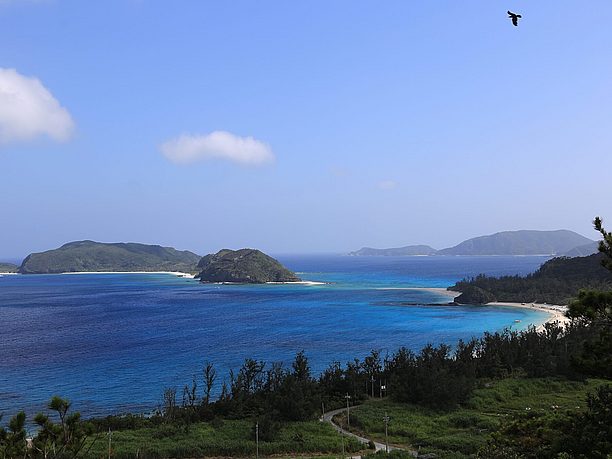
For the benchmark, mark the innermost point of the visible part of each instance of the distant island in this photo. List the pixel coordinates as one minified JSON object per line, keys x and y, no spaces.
{"x":90,"y":256}
{"x":523,"y":242}
{"x":8,"y":268}
{"x":556,"y":282}
{"x":408,"y":251}
{"x":249,"y":266}
{"x":583,"y":250}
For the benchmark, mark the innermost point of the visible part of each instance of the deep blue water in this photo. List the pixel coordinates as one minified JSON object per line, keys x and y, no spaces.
{"x":113,"y":342}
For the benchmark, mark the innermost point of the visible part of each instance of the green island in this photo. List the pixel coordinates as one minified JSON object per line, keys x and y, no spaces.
{"x":90,"y":256}
{"x":232,"y":266}
{"x":530,"y":394}
{"x":248,"y":266}
{"x":8,"y":268}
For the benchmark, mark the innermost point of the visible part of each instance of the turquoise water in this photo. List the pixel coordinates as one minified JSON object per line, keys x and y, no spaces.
{"x":113,"y":342}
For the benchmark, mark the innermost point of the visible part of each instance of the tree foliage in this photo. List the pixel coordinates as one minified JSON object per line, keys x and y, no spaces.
{"x":605,"y":245}
{"x":65,"y":439}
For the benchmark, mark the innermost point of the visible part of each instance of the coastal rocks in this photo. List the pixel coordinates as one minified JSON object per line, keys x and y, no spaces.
{"x":247,"y":266}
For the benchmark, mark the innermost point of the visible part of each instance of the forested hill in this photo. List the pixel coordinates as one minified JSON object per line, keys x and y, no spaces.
{"x":556,"y":282}
{"x":97,"y":256}
{"x":8,"y":268}
{"x":248,"y":266}
{"x":524,"y":242}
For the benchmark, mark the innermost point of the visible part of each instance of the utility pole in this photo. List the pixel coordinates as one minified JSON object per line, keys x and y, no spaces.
{"x":386,"y":419}
{"x":110,"y":436}
{"x":372,"y":381}
{"x":348,"y":410}
{"x":257,"y":440}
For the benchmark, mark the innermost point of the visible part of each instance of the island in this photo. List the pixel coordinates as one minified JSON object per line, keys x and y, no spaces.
{"x":407,"y":251}
{"x":556,"y":282}
{"x":8,"y":268}
{"x":508,"y":243}
{"x":246,"y":266}
{"x":90,"y":256}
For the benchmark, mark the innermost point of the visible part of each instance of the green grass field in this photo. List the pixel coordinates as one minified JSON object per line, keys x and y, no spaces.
{"x":461,"y":433}
{"x":231,"y":438}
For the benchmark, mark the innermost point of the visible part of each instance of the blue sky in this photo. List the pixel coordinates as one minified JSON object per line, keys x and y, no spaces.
{"x":365,"y":123}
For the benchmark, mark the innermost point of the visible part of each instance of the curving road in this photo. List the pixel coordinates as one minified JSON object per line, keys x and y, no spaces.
{"x":328,"y":417}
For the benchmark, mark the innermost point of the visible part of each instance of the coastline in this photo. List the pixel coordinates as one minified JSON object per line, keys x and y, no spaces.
{"x":174,"y":273}
{"x":304,"y":282}
{"x":556,"y":312}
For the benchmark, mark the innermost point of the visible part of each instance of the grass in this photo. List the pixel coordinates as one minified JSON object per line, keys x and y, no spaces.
{"x":229,"y":438}
{"x":462,"y":432}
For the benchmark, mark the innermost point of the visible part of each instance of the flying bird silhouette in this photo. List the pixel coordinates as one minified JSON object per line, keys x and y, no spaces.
{"x":515,"y":17}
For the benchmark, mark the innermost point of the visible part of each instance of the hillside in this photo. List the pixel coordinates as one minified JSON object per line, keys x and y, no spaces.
{"x":583,"y":250}
{"x":97,"y":256}
{"x":243,"y":266}
{"x":410,"y":250}
{"x":524,"y":242}
{"x":556,"y":282}
{"x":8,"y":268}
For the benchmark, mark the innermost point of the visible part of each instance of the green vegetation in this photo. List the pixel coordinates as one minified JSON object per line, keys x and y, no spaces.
{"x":463,"y":432}
{"x":96,"y":256}
{"x":506,"y":395}
{"x":67,"y":437}
{"x":8,"y":268}
{"x":245,"y":266}
{"x":556,"y":282}
{"x":222,"y":438}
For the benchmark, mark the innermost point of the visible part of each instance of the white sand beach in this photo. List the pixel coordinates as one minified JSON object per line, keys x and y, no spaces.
{"x":300,"y":283}
{"x":556,"y":312}
{"x":174,"y":273}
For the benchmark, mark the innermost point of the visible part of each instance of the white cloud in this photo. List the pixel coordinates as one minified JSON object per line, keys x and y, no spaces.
{"x":245,"y":151}
{"x":387,"y":185}
{"x":29,"y":110}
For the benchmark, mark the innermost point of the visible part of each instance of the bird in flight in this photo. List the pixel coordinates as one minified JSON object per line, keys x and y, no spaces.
{"x":515,"y":17}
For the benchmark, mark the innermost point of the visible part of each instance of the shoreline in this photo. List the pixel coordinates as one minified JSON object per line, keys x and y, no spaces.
{"x":174,"y":273}
{"x":556,"y":312}
{"x":303,"y":282}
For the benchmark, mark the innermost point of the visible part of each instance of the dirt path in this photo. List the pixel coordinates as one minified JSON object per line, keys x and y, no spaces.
{"x":328,"y":417}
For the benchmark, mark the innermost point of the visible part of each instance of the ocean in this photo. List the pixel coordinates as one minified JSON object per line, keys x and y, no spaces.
{"x":111,"y":343}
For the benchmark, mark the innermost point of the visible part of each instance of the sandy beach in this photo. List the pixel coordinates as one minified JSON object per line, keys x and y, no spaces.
{"x":299,"y":283}
{"x":174,"y":273}
{"x":556,"y":312}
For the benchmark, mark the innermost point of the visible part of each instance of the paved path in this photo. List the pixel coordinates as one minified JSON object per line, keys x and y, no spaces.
{"x":328,"y":417}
